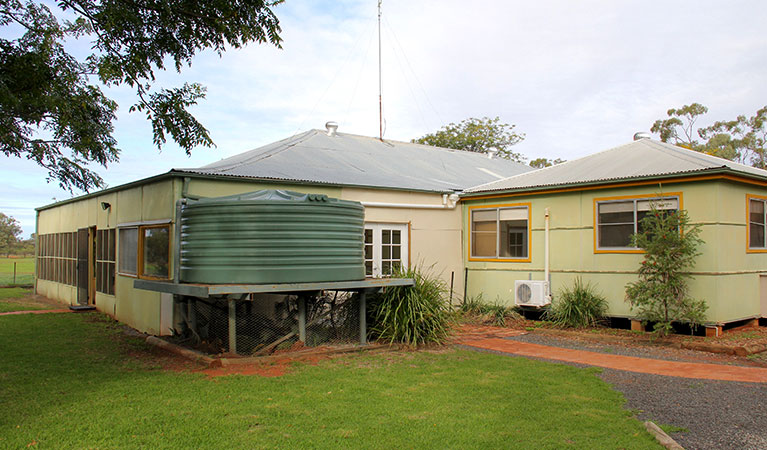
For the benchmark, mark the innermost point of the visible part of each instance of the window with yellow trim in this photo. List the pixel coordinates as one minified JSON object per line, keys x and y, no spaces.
{"x":757,"y":224}
{"x":617,"y":220}
{"x":145,"y":251}
{"x":500,"y":232}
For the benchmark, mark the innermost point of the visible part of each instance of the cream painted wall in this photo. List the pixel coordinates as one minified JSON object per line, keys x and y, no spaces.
{"x":435,"y":238}
{"x":725,"y":275}
{"x":151,"y":201}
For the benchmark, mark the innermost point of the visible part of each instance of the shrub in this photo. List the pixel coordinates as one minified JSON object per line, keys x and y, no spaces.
{"x":661,"y":293}
{"x":577,"y":306}
{"x":495,"y":313}
{"x":412,"y":315}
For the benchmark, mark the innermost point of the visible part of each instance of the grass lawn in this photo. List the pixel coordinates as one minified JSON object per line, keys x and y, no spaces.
{"x":68,"y":381}
{"x":25,"y":270}
{"x":11,"y":300}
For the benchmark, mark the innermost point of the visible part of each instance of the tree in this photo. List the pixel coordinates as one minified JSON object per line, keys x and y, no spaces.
{"x":747,"y":136}
{"x":9,"y":233}
{"x":540,"y":163}
{"x":52,"y":109}
{"x":477,"y":135}
{"x":679,"y":127}
{"x":661,"y":294}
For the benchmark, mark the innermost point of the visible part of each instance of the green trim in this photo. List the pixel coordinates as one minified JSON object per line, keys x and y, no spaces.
{"x":607,"y":183}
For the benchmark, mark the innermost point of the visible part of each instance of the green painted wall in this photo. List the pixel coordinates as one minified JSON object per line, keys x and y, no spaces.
{"x":725,"y":275}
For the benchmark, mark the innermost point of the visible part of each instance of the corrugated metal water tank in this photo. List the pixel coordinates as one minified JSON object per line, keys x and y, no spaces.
{"x":271,"y":236}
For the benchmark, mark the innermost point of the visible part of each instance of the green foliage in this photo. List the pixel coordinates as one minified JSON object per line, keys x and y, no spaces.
{"x":10,"y":230}
{"x":540,"y":163}
{"x":577,"y":306}
{"x":680,"y":119}
{"x":477,"y":135}
{"x":450,"y":399}
{"x":743,"y":139}
{"x":412,"y":315}
{"x":494,"y":313}
{"x":661,"y":294}
{"x":52,"y":111}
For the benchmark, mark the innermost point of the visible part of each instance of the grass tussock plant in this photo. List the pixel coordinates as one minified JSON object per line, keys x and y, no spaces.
{"x":412,"y":315}
{"x":577,"y":306}
{"x":497,"y":314}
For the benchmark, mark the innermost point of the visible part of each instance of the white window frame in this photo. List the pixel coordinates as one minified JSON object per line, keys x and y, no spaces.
{"x":377,"y":259}
{"x":635,"y":201}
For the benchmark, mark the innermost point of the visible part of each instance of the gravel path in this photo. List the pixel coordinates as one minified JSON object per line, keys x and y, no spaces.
{"x":718,"y":414}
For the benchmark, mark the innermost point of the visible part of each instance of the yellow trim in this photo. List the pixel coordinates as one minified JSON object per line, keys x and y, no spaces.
{"x":749,"y":197}
{"x":596,"y":200}
{"x":620,"y":185}
{"x":529,"y":258}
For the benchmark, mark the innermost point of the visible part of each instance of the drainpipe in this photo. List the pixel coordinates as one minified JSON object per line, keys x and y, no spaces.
{"x":448,"y":202}
{"x":37,"y":247}
{"x":546,"y":256}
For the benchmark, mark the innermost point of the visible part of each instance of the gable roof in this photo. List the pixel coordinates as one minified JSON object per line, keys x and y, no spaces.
{"x":347,"y":159}
{"x":641,"y":159}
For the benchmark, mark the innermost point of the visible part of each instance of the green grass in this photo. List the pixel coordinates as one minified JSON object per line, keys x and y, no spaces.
{"x":9,"y":294}
{"x":66,"y":382}
{"x":25,"y":270}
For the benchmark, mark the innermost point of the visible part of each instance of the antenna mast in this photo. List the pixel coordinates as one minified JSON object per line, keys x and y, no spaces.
{"x":380,"y":85}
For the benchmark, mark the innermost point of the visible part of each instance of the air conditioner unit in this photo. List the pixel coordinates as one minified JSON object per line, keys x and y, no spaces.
{"x":531,"y":293}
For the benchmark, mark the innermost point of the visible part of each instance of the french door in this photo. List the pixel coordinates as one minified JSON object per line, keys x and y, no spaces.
{"x":386,"y":248}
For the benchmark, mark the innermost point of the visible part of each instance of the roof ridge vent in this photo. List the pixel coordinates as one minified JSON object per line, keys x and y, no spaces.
{"x":332,"y":128}
{"x":491,"y":152}
{"x":642,"y":135}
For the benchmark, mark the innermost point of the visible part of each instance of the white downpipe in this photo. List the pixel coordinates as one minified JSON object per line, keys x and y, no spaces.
{"x":546,"y":255}
{"x":448,"y":202}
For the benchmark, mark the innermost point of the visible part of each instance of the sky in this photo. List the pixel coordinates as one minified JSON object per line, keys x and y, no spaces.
{"x":574,"y":77}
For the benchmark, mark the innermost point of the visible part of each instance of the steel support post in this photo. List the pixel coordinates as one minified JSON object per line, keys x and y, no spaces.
{"x":363,"y":319}
{"x":302,"y":318}
{"x":232,"y":326}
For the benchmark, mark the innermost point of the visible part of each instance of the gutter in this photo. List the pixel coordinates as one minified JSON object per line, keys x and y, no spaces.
{"x":448,"y":202}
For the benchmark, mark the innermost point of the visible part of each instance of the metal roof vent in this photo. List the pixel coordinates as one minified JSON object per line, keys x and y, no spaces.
{"x":642,"y":135}
{"x":491,"y":152}
{"x":332,"y":127}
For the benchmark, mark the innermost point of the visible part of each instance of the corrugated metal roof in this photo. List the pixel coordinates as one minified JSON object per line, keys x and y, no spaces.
{"x":347,"y":159}
{"x":644,"y":158}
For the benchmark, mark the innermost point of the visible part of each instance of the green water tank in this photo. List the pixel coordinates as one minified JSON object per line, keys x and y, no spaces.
{"x":271,"y":236}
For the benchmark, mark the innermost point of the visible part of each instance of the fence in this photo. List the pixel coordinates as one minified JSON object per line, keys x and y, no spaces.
{"x":17,"y":271}
{"x":267,"y":323}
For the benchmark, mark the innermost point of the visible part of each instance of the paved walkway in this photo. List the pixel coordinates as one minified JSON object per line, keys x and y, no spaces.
{"x":619,"y":362}
{"x":36,"y":311}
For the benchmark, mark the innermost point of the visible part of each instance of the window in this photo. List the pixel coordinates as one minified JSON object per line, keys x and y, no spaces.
{"x":617,"y":220}
{"x":105,"y":261}
{"x":145,"y":251}
{"x":57,"y":257}
{"x":757,"y":223}
{"x":155,"y":251}
{"x":501,"y":233}
{"x":386,"y":249}
{"x":129,"y":251}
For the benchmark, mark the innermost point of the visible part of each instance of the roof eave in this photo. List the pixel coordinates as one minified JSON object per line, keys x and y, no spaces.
{"x":120,"y":187}
{"x":587,"y":184}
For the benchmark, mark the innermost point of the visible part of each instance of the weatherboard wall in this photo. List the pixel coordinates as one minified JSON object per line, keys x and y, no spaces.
{"x":725,"y":275}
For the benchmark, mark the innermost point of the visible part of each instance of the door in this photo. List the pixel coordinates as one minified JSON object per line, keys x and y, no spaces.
{"x":763,"y":294}
{"x":386,"y":248}
{"x":83,"y":279}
